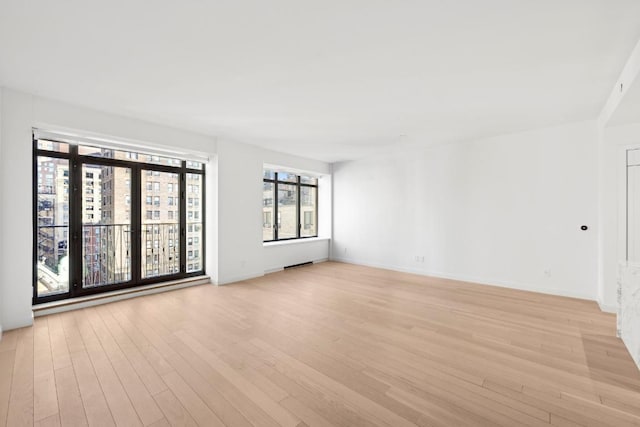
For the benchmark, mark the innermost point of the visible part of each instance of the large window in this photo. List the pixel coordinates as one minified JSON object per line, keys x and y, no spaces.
{"x":289,"y":206}
{"x":106,"y":219}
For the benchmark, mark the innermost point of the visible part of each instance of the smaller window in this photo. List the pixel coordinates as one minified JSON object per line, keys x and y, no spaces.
{"x":289,"y":205}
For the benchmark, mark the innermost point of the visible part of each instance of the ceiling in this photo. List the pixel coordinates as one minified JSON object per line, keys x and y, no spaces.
{"x":331,"y":80}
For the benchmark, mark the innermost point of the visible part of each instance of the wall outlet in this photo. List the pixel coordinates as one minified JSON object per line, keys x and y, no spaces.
{"x":547,"y":272}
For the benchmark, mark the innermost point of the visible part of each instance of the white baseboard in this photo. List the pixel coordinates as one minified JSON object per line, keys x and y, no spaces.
{"x":235,"y":279}
{"x":470,"y":279}
{"x":276,"y":269}
{"x":607,"y":308}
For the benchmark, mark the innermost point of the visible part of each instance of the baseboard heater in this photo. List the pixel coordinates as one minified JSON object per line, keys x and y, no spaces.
{"x":299,"y":265}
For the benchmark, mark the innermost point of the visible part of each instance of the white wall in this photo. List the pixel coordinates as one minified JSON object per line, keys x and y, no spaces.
{"x":1,"y":200}
{"x":501,"y":210}
{"x":278,"y":255}
{"x":15,"y":178}
{"x":234,"y":192}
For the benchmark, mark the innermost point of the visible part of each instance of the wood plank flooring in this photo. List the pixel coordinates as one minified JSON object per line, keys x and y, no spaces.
{"x":329,"y":344}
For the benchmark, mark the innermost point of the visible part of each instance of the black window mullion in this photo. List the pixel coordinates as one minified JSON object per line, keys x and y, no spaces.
{"x":298,"y":228}
{"x":34,"y":199}
{"x":203,"y":227}
{"x":136,"y":223}
{"x":316,"y":206}
{"x":183,"y":218}
{"x":75,"y":222}
{"x":275,"y":207}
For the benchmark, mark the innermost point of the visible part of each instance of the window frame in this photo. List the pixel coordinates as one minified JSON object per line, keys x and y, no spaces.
{"x":298,"y":185}
{"x":138,"y":209}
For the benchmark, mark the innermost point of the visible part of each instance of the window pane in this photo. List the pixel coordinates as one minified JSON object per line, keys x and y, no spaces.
{"x":287,"y":177}
{"x":194,"y":165}
{"x":87,"y":150}
{"x":267,"y":211}
{"x":194,"y":223}
{"x":308,"y":180}
{"x":287,"y":211}
{"x":268,"y":174}
{"x":60,"y":147}
{"x":308,"y":211}
{"x":53,"y":226}
{"x":106,"y":225}
{"x":160,"y":244}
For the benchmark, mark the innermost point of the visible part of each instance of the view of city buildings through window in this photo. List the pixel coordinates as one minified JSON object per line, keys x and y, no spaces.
{"x":53,"y":225}
{"x":94,"y":229}
{"x":289,"y":206}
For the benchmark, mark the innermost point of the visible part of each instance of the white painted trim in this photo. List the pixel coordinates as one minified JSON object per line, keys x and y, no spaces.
{"x":607,"y":308}
{"x":470,"y":279}
{"x":76,"y":137}
{"x":277,"y":269}
{"x":107,"y":297}
{"x":295,"y":241}
{"x":282,"y":168}
{"x":238,"y":279}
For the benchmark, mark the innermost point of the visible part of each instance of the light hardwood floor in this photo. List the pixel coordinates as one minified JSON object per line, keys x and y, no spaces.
{"x":329,"y":344}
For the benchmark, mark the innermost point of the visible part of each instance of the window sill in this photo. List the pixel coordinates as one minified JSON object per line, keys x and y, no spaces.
{"x":107,"y":297}
{"x":294,"y":241}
